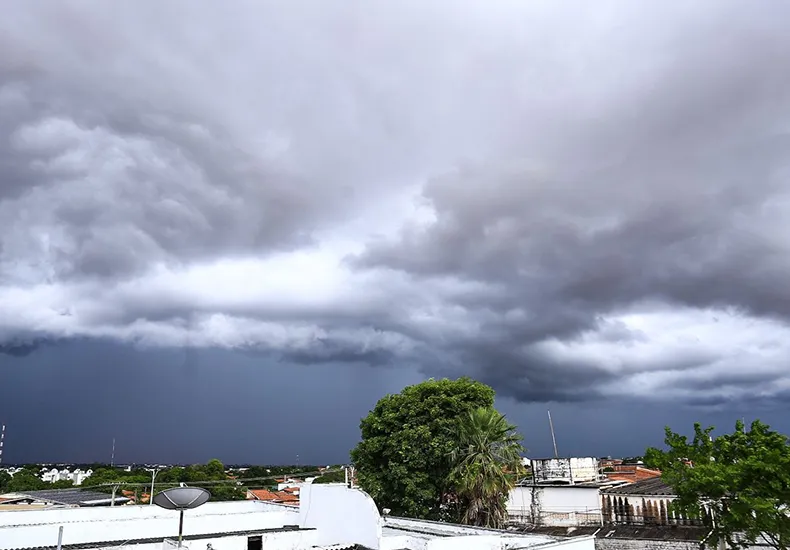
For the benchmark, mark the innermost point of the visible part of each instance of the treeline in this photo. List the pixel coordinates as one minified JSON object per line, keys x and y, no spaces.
{"x":223,"y":483}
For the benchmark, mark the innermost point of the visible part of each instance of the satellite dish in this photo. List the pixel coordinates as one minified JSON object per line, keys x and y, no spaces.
{"x":182,"y":498}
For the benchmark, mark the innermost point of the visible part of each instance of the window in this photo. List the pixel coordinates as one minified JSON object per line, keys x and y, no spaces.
{"x":255,"y":543}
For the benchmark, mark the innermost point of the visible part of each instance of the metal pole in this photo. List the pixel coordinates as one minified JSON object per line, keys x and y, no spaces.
{"x":151,"y":496}
{"x":60,"y":537}
{"x":551,"y":425}
{"x":2,"y":437}
{"x":180,"y":527}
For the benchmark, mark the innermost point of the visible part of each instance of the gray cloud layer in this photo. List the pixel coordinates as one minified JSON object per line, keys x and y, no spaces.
{"x":567,"y":201}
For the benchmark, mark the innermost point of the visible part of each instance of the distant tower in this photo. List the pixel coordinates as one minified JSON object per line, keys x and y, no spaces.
{"x":2,"y":437}
{"x":112,"y":458}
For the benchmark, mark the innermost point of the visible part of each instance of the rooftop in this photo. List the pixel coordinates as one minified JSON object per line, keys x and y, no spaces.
{"x":654,"y":532}
{"x":410,"y":533}
{"x":329,"y":517}
{"x":647,"y":487}
{"x":68,"y":497}
{"x":632,"y":472}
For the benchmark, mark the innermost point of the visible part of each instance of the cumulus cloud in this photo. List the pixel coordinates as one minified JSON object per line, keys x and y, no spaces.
{"x":568,"y":201}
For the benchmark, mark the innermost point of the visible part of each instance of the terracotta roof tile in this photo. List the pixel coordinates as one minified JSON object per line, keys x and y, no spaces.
{"x":286,"y":497}
{"x":272,"y":496}
{"x":261,"y":494}
{"x":635,"y":473}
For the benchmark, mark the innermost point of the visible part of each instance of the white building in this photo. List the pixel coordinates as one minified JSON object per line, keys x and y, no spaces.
{"x":561,"y":492}
{"x":565,"y":470}
{"x":330,"y":515}
{"x":77,"y":476}
{"x":557,"y":505}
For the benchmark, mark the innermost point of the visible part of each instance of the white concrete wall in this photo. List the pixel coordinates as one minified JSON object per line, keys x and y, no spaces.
{"x":271,"y":541}
{"x":555,"y":505}
{"x":340,"y":515}
{"x":121,"y":523}
{"x":576,"y":469}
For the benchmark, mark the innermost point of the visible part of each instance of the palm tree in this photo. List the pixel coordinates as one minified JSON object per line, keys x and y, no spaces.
{"x":487,"y":462}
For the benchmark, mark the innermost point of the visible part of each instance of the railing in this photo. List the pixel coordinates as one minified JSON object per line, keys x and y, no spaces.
{"x":556,"y":517}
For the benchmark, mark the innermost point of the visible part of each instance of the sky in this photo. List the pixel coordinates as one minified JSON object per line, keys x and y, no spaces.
{"x":227,"y":230}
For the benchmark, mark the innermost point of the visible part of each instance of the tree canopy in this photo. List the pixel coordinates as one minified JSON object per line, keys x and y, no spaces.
{"x":487,"y":463}
{"x":741,"y":480}
{"x":404,"y":458}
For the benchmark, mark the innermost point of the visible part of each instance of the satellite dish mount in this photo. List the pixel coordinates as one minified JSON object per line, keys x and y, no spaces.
{"x":181,"y":498}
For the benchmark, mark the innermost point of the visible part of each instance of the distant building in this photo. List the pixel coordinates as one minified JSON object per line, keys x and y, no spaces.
{"x":561,"y":492}
{"x":645,"y":502}
{"x":77,"y":476}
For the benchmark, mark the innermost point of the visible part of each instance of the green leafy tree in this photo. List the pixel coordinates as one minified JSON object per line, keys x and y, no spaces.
{"x":403,"y":459}
{"x":214,"y":469}
{"x":25,"y":480}
{"x":741,"y":481}
{"x":61,"y":484}
{"x":487,"y":463}
{"x":226,"y":492}
{"x":337,"y":475}
{"x":5,"y":477}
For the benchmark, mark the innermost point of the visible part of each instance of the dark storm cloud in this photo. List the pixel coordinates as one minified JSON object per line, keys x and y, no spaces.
{"x":685,"y":205}
{"x":601,"y":203}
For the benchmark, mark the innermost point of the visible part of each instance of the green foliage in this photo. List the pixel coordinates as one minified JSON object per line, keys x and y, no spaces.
{"x":403,"y":459}
{"x":104,"y":477}
{"x":5,"y":477}
{"x":226,"y":492}
{"x":25,"y":480}
{"x":741,"y":481}
{"x":337,"y":476}
{"x":214,"y":469}
{"x":61,"y":484}
{"x":487,"y":463}
{"x":107,"y":475}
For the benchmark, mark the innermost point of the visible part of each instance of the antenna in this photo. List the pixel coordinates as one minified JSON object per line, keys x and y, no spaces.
{"x":112,"y":458}
{"x":553,"y":439}
{"x":2,"y":437}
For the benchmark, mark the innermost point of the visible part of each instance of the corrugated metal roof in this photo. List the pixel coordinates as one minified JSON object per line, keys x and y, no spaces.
{"x":648,"y":487}
{"x":73,"y":497}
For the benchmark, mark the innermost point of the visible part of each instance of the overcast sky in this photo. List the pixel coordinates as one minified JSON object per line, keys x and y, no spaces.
{"x":287,"y":211}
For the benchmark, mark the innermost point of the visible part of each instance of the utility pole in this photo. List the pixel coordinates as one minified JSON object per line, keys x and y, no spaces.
{"x":553,"y":439}
{"x":153,"y":477}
